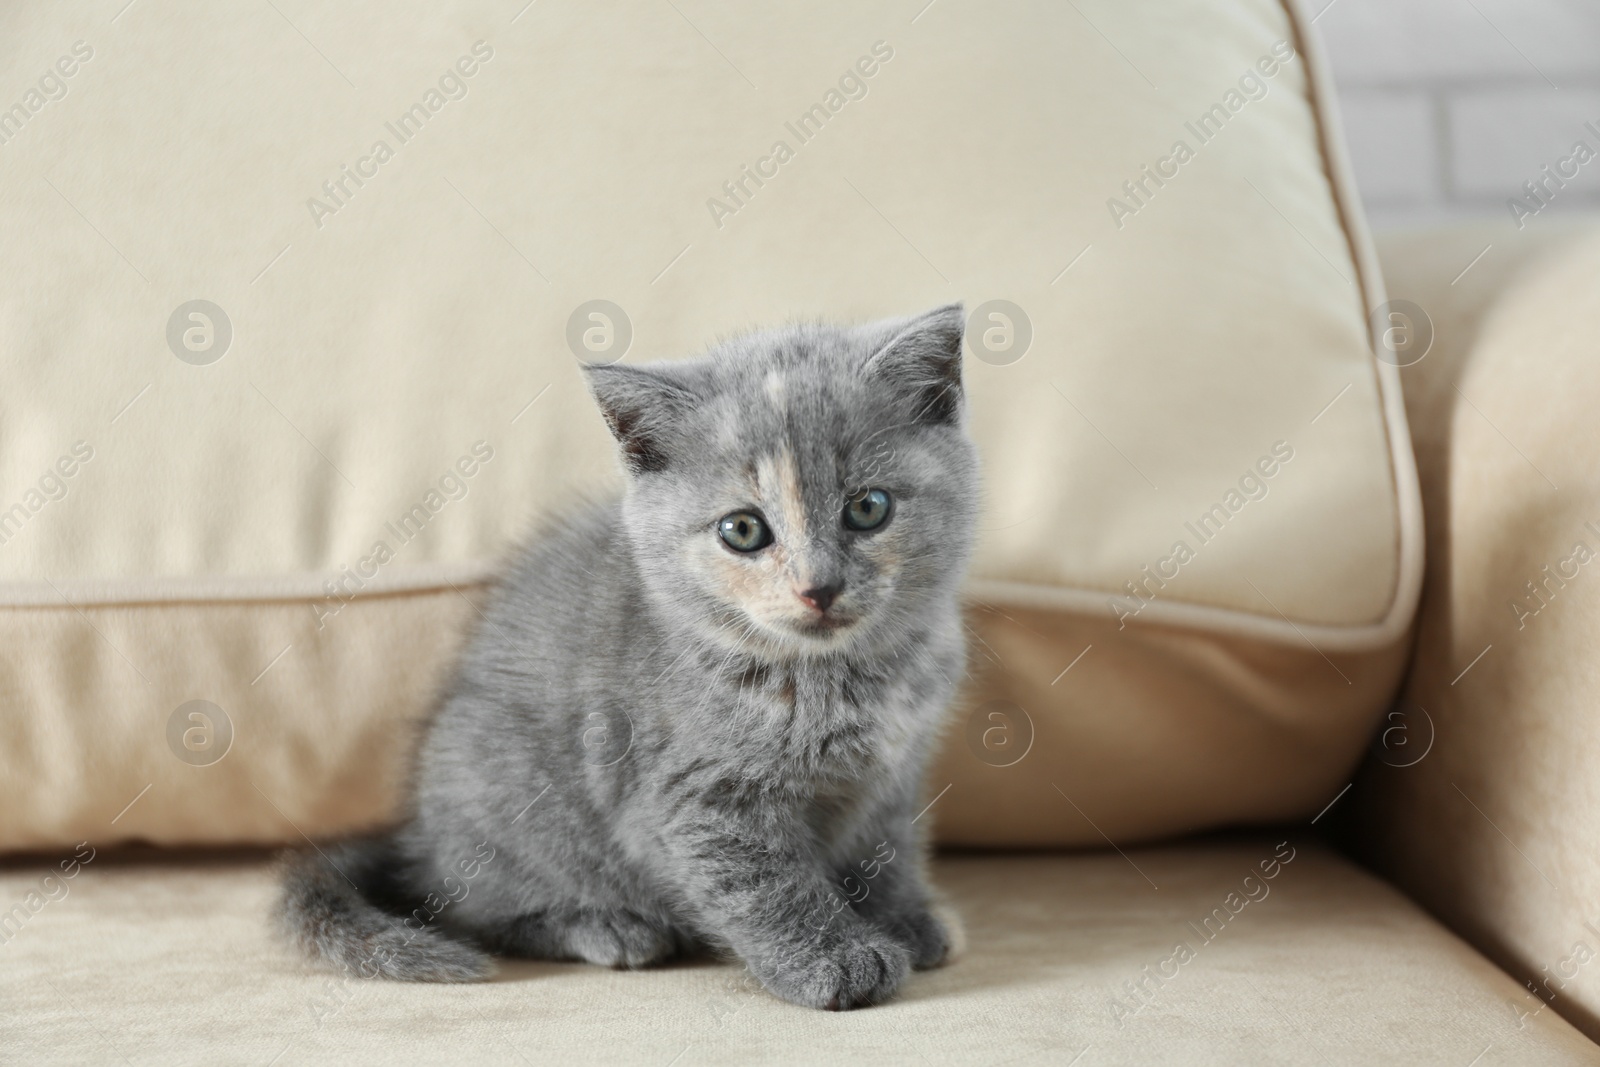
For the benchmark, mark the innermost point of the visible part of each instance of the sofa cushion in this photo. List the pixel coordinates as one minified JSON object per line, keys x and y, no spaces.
{"x":291,"y":361}
{"x":1175,"y":955}
{"x":1483,"y":803}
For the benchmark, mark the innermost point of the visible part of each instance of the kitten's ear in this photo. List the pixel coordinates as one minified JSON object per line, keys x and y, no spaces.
{"x":923,"y":359}
{"x":642,"y":407}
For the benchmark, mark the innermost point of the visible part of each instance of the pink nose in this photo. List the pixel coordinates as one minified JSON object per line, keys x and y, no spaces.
{"x":821,"y":597}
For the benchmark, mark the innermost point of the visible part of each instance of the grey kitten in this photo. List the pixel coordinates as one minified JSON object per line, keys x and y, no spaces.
{"x":698,"y":718}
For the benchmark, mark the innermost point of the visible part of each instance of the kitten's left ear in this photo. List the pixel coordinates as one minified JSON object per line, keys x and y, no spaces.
{"x":924,"y":359}
{"x":643,"y":407}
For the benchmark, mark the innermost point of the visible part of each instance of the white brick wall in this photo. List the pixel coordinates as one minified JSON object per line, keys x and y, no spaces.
{"x":1451,"y":105}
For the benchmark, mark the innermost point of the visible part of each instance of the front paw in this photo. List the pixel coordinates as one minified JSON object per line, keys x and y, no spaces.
{"x":934,"y":936}
{"x":862,"y":967}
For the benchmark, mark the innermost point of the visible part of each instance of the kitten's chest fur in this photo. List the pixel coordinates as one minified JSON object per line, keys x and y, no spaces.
{"x":821,"y":723}
{"x":830,"y":739}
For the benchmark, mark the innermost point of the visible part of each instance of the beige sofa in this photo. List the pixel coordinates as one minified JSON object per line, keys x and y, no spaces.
{"x":1260,"y":947}
{"x":200,"y":653}
{"x":167,"y":960}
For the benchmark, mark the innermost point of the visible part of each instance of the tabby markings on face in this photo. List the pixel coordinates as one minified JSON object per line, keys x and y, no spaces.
{"x":778,"y":485}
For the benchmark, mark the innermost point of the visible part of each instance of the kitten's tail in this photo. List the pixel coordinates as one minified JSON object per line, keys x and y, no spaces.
{"x":329,"y":909}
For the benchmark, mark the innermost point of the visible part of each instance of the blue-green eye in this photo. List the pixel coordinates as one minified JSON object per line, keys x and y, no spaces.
{"x":744,"y":532}
{"x":868,"y":510}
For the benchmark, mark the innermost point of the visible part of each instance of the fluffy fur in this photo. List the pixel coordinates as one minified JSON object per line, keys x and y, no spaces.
{"x":656,"y":745}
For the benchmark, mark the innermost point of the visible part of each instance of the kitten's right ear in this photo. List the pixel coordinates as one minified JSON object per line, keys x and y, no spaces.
{"x":642,"y":407}
{"x":924,"y":359}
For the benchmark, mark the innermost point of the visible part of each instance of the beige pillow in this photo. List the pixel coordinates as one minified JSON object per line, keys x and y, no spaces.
{"x":291,"y":307}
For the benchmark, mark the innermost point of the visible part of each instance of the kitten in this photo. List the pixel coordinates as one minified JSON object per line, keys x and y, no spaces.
{"x":698,"y":718}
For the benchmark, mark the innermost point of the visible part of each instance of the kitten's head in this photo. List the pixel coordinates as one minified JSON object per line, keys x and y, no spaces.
{"x":802,"y":490}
